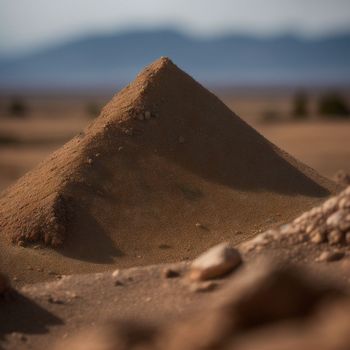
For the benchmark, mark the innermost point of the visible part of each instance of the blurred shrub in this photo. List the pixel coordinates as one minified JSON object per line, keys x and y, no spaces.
{"x":300,"y":105}
{"x":333,"y":105}
{"x":270,"y":116}
{"x":18,"y":107}
{"x":93,"y":109}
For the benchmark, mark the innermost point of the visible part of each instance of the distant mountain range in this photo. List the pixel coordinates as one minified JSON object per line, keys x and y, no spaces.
{"x":112,"y":60}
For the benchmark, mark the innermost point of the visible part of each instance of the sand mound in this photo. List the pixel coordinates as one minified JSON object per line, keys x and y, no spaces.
{"x":166,"y":171}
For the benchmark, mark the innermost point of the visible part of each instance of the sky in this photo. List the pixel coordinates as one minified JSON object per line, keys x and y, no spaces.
{"x":31,"y":24}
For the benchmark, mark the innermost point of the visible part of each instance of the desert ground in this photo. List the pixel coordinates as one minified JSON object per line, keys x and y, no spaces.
{"x":165,"y":225}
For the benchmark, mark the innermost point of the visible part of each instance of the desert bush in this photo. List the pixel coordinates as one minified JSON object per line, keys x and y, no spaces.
{"x":300,"y":105}
{"x":93,"y":109}
{"x":18,"y":107}
{"x":333,"y":104}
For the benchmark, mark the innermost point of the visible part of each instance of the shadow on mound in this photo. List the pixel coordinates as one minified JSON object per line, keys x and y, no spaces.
{"x":23,"y":315}
{"x":86,"y":240}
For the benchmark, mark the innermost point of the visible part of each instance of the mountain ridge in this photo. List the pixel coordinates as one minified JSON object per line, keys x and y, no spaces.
{"x":239,"y":59}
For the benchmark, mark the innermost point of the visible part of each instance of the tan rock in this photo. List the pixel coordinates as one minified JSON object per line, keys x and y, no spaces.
{"x":215,"y":262}
{"x":334,"y":220}
{"x":334,"y":237}
{"x":330,"y":256}
{"x":317,"y":237}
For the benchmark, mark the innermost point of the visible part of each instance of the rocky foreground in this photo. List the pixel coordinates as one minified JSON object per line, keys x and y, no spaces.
{"x":288,"y":288}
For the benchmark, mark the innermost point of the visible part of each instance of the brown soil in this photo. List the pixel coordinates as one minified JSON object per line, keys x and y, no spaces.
{"x":290,"y":300}
{"x":164,"y":155}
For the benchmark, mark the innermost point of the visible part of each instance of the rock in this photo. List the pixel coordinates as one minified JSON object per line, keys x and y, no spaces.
{"x":215,"y":262}
{"x":334,"y":220}
{"x":170,"y":273}
{"x":334,"y":237}
{"x":330,"y":256}
{"x":115,"y":273}
{"x":200,"y":287}
{"x":317,"y":236}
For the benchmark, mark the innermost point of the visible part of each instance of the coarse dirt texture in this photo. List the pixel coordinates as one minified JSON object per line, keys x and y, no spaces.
{"x":292,"y":299}
{"x":169,"y":313}
{"x":163,"y":155}
{"x":326,"y":225}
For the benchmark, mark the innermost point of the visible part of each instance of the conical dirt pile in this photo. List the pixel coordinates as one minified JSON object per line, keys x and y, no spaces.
{"x":166,"y":171}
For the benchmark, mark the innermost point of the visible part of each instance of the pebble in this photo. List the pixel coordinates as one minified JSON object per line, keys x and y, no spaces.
{"x":203,"y":287}
{"x":216,"y":262}
{"x":115,"y":273}
{"x":317,"y":237}
{"x":334,"y":237}
{"x":330,"y":256}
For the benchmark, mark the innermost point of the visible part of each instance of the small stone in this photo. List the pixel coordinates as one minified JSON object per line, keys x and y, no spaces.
{"x":216,"y":262}
{"x":181,"y":139}
{"x":147,"y":115}
{"x":317,"y":237}
{"x":334,"y":237}
{"x":330,"y":256}
{"x":120,"y":148}
{"x":115,"y":273}
{"x":89,"y":161}
{"x":201,"y":287}
{"x":334,"y":220}
{"x":170,"y":273}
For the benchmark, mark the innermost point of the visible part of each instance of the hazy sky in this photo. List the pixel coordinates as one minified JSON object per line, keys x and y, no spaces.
{"x":26,"y":24}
